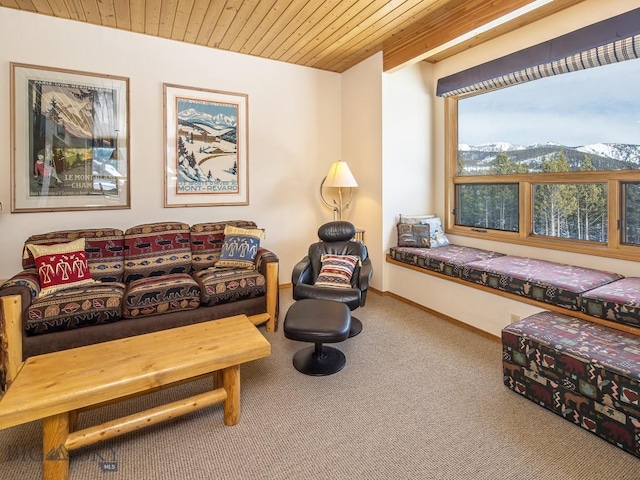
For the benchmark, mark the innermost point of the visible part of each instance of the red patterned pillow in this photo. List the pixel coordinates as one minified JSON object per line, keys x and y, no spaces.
{"x":61,"y":266}
{"x":337,"y":270}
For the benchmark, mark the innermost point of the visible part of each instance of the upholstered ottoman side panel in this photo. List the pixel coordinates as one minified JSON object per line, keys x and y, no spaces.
{"x":447,"y":259}
{"x":156,"y":249}
{"x":618,"y":301}
{"x":83,"y":306}
{"x":585,"y":372}
{"x":104,"y":248}
{"x":220,"y":286}
{"x":161,"y":294}
{"x":548,"y":282}
{"x":207,"y":240}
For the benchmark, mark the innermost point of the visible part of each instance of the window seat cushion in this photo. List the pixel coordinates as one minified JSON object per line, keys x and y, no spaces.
{"x":447,"y":260}
{"x":618,"y":301}
{"x":541,"y":280}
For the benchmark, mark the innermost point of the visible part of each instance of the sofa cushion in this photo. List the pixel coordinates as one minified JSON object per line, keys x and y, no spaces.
{"x":104,"y":248}
{"x":207,"y":240}
{"x":618,"y":301}
{"x":585,"y":372}
{"x":155,"y":249}
{"x":239,"y":247}
{"x":161,"y":294}
{"x":94,"y":304}
{"x":447,"y":260}
{"x":548,"y":282}
{"x":61,"y":266}
{"x":219,"y":285}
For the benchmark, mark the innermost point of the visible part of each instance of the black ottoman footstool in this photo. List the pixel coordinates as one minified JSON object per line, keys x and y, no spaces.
{"x":318,"y":321}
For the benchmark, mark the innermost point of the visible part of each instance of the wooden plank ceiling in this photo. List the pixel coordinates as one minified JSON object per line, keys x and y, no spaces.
{"x":331,"y":35}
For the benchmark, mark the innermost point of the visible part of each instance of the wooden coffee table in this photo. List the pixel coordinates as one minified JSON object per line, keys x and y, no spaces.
{"x":57,"y":386}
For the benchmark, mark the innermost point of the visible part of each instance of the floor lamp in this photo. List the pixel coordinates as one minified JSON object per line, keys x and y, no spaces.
{"x":339,"y":177}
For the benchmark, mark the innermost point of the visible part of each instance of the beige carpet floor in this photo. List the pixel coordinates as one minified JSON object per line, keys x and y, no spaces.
{"x":419,"y":398}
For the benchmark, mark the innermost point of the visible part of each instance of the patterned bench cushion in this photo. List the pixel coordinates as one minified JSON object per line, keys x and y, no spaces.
{"x":155,"y":249}
{"x":161,"y":294}
{"x":104,"y":248}
{"x":448,"y":259}
{"x":549,"y":282}
{"x":618,"y":301}
{"x":585,"y":372}
{"x":83,"y":306}
{"x":207,"y":240}
{"x":219,"y":285}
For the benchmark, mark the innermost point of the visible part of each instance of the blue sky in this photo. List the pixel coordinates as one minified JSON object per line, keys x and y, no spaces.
{"x":598,"y":105}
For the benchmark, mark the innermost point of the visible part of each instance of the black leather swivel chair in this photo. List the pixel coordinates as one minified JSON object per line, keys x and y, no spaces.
{"x":336,"y":238}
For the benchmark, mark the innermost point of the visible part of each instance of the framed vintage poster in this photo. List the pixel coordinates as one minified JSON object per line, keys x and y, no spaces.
{"x":206,"y":141}
{"x":70,"y":140}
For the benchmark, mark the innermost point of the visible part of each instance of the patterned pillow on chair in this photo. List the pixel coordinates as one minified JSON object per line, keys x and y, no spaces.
{"x":337,"y":270}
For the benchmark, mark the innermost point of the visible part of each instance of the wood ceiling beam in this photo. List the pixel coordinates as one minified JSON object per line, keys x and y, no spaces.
{"x":456,"y":19}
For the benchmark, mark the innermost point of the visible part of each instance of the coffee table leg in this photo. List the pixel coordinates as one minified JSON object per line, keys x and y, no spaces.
{"x":55,"y":464}
{"x":231,"y":383}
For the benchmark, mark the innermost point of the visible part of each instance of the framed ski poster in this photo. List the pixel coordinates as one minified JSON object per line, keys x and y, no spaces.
{"x":70,"y":140}
{"x":206,"y":147}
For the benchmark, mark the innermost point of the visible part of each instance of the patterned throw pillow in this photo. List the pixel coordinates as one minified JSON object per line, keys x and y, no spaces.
{"x":61,"y":266}
{"x":414,"y":219}
{"x":337,"y":270}
{"x":438,"y":238}
{"x":239,"y":247}
{"x":416,"y":236}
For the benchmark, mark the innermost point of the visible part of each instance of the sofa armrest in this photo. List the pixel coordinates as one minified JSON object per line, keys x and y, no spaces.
{"x":26,"y":284}
{"x":267,"y":263}
{"x":11,"y":338}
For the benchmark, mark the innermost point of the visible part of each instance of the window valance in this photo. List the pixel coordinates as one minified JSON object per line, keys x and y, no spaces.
{"x":613,"y":40}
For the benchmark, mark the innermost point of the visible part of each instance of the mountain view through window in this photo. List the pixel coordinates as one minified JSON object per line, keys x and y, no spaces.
{"x":564,"y":135}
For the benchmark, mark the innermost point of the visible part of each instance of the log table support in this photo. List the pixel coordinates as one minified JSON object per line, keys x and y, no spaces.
{"x":91,"y":376}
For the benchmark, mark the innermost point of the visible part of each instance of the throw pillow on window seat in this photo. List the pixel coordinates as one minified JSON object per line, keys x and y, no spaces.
{"x":414,"y":235}
{"x":61,"y":266}
{"x":239,"y":247}
{"x":337,"y":270}
{"x":436,"y":233}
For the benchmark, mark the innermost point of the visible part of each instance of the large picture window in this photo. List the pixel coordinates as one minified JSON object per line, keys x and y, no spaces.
{"x":553,"y":162}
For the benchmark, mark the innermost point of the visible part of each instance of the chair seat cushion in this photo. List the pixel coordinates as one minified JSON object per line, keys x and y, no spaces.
{"x":349,"y":296}
{"x":161,"y":294}
{"x":220,"y":286}
{"x":76,"y":307}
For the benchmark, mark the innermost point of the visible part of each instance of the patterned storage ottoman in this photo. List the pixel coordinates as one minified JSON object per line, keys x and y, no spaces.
{"x":618,"y":301}
{"x":447,"y":259}
{"x":585,"y":372}
{"x":548,"y":282}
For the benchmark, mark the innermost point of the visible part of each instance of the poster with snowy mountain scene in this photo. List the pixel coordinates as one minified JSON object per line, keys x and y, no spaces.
{"x":206,"y":147}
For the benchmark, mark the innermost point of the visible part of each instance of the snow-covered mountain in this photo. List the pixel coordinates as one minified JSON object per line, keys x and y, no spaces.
{"x":219,"y":122}
{"x":619,"y":151}
{"x":604,"y":156}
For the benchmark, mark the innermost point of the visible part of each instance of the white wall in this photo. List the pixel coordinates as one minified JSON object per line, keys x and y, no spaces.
{"x":408,"y":166}
{"x":295,"y":122}
{"x":484,"y":310}
{"x":362,"y":150}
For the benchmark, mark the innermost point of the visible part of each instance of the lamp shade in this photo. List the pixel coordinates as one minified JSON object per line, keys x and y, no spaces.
{"x":340,"y":176}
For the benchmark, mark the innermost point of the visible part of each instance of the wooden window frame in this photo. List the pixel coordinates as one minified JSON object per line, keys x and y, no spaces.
{"x":613,"y":248}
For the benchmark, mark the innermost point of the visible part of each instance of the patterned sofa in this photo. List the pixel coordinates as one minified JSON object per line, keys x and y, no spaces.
{"x":150,"y":277}
{"x":585,"y":369}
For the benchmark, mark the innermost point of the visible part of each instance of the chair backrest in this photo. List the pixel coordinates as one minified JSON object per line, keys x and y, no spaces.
{"x":337,"y":238}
